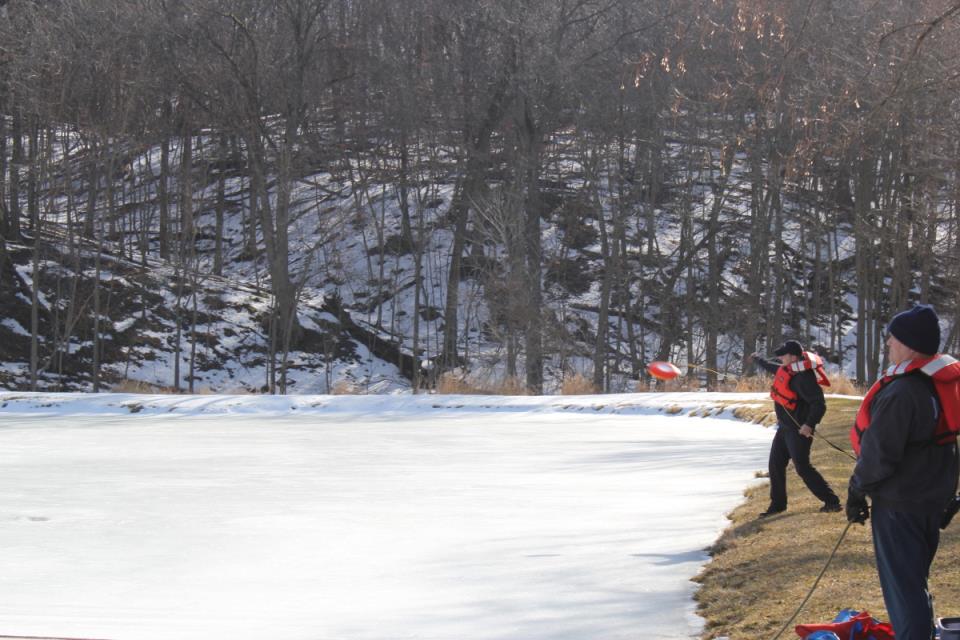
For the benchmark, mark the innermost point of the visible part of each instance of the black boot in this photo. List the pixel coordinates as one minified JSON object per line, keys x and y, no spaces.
{"x":831,"y":507}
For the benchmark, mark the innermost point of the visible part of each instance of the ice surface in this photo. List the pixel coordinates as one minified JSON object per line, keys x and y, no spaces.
{"x":344,"y":518}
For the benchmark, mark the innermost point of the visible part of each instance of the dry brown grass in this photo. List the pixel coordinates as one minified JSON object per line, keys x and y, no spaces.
{"x":680,"y":383}
{"x":762,"y":569}
{"x":748,"y":384}
{"x":343,"y":387}
{"x":236,"y":391}
{"x":452,"y":384}
{"x":844,"y":386}
{"x":510,"y":386}
{"x":203,"y":391}
{"x":839,"y":384}
{"x":139,"y":386}
{"x":577,"y":385}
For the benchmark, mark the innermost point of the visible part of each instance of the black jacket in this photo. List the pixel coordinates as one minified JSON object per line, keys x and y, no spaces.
{"x":900,"y":468}
{"x":810,"y":403}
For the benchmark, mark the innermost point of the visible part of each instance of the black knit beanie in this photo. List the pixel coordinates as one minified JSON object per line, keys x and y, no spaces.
{"x":918,"y":329}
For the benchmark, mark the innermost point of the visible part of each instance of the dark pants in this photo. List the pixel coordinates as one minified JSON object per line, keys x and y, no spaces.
{"x":789,"y":445}
{"x":905,"y":544}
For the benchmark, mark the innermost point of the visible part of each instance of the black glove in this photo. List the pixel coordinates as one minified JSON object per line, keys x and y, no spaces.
{"x":857,"y":509}
{"x":952,"y":507}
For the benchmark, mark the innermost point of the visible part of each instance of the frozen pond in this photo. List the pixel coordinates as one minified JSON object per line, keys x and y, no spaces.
{"x":434,"y":524}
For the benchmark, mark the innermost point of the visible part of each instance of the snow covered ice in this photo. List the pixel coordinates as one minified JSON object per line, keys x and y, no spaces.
{"x":440,"y":517}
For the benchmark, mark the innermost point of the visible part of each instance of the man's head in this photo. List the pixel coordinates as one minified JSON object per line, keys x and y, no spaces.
{"x":789,"y":352}
{"x":913,"y":333}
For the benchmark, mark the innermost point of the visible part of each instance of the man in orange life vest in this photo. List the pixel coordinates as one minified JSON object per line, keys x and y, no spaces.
{"x":908,"y":465}
{"x":800,"y":406}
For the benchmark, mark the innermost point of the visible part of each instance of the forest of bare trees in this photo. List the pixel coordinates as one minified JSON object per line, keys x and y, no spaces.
{"x":806,"y":153}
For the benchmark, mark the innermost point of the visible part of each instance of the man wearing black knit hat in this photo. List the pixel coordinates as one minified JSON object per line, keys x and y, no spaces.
{"x":906,"y":466}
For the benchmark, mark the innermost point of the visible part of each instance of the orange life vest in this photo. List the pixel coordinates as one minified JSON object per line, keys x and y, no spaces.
{"x":944,"y":371}
{"x":781,"y":392}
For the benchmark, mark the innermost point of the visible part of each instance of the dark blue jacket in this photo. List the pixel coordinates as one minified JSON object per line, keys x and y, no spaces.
{"x":900,"y":468}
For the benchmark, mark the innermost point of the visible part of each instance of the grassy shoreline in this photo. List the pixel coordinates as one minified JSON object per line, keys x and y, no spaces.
{"x":761,"y":570}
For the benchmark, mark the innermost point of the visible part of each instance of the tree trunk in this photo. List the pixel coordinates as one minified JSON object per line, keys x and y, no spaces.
{"x":863,"y":259}
{"x":163,"y":198}
{"x":220,"y":208}
{"x":35,"y":302}
{"x":600,"y":346}
{"x":469,"y":192}
{"x":406,"y":230}
{"x":193,"y":333}
{"x":186,"y":199}
{"x":714,"y":268}
{"x":33,"y":186}
{"x":273,"y":223}
{"x":759,"y":243}
{"x":93,"y":192}
{"x":533,"y":329}
{"x":4,"y":165}
{"x":13,"y":211}
{"x":96,"y":308}
{"x":775,"y":323}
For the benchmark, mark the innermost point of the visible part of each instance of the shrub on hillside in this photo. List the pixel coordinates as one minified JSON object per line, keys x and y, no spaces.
{"x":343,"y":387}
{"x":842,"y":385}
{"x":139,"y":386}
{"x":452,"y":384}
{"x":577,"y":385}
{"x":752,"y":383}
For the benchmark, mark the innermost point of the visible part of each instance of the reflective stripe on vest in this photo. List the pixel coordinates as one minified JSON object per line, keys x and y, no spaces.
{"x":780,"y":391}
{"x":944,"y":371}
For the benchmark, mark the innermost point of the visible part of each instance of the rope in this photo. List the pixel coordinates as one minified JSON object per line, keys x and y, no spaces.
{"x":815,"y":583}
{"x":843,"y":451}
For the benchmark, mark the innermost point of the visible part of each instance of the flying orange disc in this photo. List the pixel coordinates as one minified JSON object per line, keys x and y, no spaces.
{"x":663,"y":370}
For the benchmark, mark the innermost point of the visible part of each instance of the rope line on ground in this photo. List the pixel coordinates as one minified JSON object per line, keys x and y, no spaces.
{"x":815,"y":582}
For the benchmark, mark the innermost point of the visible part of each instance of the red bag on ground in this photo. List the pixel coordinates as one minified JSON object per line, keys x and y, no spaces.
{"x":853,"y":626}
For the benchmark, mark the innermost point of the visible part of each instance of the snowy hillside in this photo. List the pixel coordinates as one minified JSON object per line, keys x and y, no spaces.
{"x":224,"y":331}
{"x":357,"y":283}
